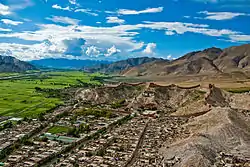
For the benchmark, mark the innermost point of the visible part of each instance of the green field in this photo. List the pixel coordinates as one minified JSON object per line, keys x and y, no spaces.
{"x":18,"y":98}
{"x":58,"y":129}
{"x":8,"y":74}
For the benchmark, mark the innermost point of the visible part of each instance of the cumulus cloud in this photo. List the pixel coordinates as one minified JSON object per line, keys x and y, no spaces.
{"x":87,"y":11}
{"x":74,"y":46}
{"x":4,"y":10}
{"x":136,"y":12}
{"x":111,"y":51}
{"x":115,"y":20}
{"x":221,"y":15}
{"x":149,"y":48}
{"x":64,"y":20}
{"x":170,"y":57}
{"x":32,"y":52}
{"x":61,"y":8}
{"x":92,"y":51}
{"x":11,"y":22}
{"x":120,"y":36}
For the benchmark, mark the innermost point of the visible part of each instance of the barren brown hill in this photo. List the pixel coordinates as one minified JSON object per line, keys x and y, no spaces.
{"x":234,"y":59}
{"x":143,"y":96}
{"x":212,"y":61}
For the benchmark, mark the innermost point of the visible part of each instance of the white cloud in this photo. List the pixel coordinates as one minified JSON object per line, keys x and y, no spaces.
{"x":221,"y":15}
{"x":87,"y":11}
{"x":149,"y":48}
{"x":120,"y":36}
{"x":4,"y":10}
{"x":61,"y":8}
{"x":92,"y":51}
{"x":19,"y":4}
{"x":65,"y":20}
{"x":169,"y":33}
{"x":170,"y":57}
{"x":239,"y":38}
{"x":73,"y":2}
{"x":111,"y":51}
{"x":32,"y":52}
{"x":115,"y":20}
{"x":135,"y":12}
{"x":11,"y":22}
{"x":5,"y":30}
{"x":181,"y":28}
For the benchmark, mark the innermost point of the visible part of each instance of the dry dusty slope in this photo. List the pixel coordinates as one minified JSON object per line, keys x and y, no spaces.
{"x":220,"y":137}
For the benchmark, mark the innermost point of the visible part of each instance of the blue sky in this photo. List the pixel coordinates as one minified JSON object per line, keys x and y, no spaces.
{"x":119,"y":29}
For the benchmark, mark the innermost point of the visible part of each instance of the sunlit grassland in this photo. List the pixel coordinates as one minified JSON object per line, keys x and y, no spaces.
{"x":58,"y":129}
{"x":8,"y":74}
{"x":19,"y":98}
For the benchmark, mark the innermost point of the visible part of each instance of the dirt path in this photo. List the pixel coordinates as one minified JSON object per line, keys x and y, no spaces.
{"x":138,"y":146}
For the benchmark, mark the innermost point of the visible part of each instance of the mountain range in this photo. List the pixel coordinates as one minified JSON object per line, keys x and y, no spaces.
{"x":210,"y":62}
{"x":67,"y":63}
{"x":11,"y":64}
{"x":119,"y":66}
{"x":207,"y":62}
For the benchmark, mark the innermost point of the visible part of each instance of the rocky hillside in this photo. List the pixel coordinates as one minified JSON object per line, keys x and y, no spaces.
{"x":142,"y":96}
{"x":216,"y":132}
{"x":11,"y":64}
{"x":209,"y":61}
{"x":123,"y":65}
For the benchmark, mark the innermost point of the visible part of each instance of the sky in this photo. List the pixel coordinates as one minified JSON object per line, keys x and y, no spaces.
{"x":120,"y":29}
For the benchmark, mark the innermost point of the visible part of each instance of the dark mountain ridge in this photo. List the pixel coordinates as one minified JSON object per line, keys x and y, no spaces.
{"x":119,"y":66}
{"x":11,"y":64}
{"x":67,"y":63}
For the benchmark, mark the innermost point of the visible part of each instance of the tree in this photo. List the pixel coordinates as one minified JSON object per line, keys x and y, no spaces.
{"x":8,"y":124}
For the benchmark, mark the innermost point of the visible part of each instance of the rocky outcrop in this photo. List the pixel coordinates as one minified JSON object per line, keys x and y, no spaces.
{"x":219,"y":130}
{"x":143,"y":96}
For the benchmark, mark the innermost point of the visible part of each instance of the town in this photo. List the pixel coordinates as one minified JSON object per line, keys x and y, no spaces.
{"x":105,"y":134}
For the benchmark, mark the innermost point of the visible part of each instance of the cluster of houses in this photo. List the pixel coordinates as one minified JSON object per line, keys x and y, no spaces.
{"x":225,"y":159}
{"x":140,"y":137}
{"x":115,"y":148}
{"x":9,"y":136}
{"x":31,"y":155}
{"x":137,"y":140}
{"x":157,"y":133}
{"x":44,"y":145}
{"x":24,"y":129}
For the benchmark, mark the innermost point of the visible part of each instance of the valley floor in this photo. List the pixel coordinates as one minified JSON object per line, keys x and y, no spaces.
{"x":142,"y":124}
